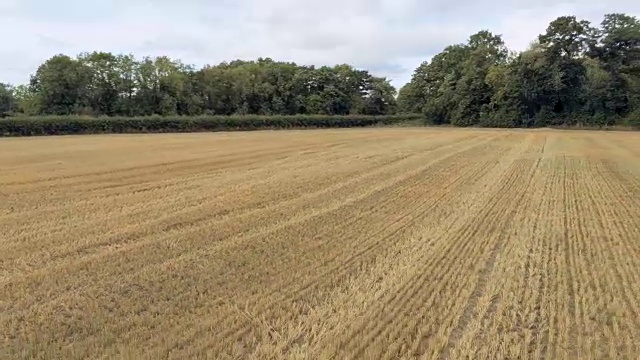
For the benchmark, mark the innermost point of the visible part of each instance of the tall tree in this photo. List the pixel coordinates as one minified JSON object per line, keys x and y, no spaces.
{"x":408,"y":101}
{"x":7,"y":99}
{"x":103,"y":84}
{"x":26,"y":100}
{"x":434,"y":84}
{"x":473,"y":93}
{"x":568,"y":37}
{"x":618,"y":53}
{"x":380,"y":98}
{"x":61,"y":85}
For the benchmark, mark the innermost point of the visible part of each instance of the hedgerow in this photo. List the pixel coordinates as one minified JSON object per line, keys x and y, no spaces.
{"x":68,"y":125}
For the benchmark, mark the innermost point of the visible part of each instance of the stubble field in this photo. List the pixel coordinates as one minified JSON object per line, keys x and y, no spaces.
{"x":375,"y":243}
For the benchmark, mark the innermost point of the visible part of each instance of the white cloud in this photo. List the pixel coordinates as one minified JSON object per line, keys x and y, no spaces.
{"x":390,"y":37}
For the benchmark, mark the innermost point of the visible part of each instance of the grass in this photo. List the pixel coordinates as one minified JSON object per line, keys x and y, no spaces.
{"x":354,"y":243}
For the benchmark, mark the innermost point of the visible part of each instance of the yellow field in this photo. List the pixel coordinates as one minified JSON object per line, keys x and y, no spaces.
{"x":376,"y":244}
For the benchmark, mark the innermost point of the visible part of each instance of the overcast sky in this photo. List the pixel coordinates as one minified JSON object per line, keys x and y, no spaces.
{"x":388,"y":37}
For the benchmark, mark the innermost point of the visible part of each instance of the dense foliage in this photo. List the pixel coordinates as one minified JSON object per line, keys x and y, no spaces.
{"x":64,"y":125}
{"x":119,"y":85}
{"x":573,"y":74}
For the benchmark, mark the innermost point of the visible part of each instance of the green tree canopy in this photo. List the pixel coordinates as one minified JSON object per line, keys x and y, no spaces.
{"x":573,"y":73}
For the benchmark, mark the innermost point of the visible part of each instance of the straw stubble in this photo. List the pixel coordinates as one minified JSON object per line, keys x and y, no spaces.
{"x":374,"y":243}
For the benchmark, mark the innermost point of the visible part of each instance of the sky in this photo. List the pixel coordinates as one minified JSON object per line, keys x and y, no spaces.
{"x":387,"y":37}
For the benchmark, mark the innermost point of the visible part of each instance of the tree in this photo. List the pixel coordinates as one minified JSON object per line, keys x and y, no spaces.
{"x":618,"y":53}
{"x":7,"y":99}
{"x":103,"y":85}
{"x":505,"y":108}
{"x":434,"y":84}
{"x":619,"y":44}
{"x":601,"y":96}
{"x":452,"y":88}
{"x":127,"y":84}
{"x":407,"y":101}
{"x":473,"y":93}
{"x":380,"y":98}
{"x":26,"y":100}
{"x":61,"y":85}
{"x":568,"y":37}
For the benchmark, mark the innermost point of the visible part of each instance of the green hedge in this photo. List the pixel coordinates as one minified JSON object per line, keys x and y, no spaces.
{"x":66,"y":125}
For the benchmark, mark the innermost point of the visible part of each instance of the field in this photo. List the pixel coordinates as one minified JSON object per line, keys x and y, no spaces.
{"x":353,"y":243}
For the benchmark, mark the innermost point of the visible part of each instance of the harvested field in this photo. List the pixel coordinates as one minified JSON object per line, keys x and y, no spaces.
{"x":368,"y":243}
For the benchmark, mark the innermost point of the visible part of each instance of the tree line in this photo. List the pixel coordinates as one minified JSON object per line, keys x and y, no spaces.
{"x":574,"y":73}
{"x":101,"y":83}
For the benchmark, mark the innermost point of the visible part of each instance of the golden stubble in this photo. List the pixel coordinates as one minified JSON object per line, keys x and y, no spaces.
{"x":358,"y":243}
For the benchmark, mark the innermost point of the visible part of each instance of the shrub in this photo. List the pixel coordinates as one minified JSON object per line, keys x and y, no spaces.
{"x":67,"y":125}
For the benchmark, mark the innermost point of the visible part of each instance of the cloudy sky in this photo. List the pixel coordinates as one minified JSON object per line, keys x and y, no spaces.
{"x":388,"y":37}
